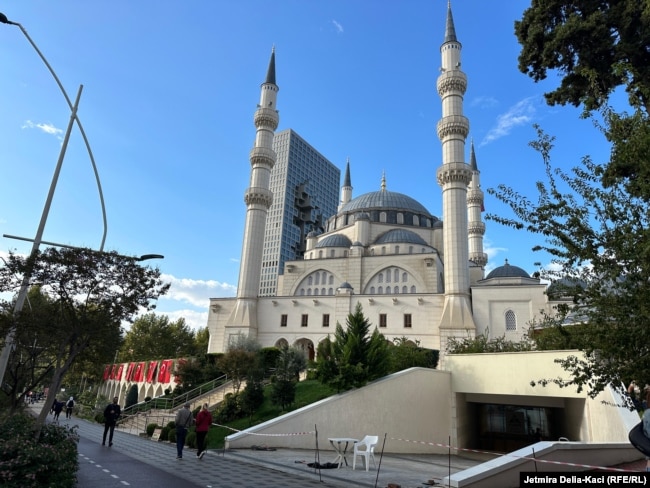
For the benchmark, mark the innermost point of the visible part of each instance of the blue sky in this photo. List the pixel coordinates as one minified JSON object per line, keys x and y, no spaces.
{"x":170,"y":89}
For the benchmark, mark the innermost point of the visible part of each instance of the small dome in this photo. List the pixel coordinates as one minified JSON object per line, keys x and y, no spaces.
{"x":507,"y":271}
{"x":357,"y":243}
{"x":400,"y":236}
{"x":313,"y":233}
{"x":336,"y":240}
{"x":345,"y":284}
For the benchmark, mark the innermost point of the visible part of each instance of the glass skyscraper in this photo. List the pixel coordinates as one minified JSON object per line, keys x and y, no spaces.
{"x":305,"y":188}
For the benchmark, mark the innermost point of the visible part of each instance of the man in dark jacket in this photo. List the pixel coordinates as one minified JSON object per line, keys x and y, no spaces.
{"x":112,"y":412}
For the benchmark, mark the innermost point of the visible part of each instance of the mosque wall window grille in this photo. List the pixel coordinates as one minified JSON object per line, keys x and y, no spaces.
{"x":284,"y":318}
{"x":326,"y":320}
{"x":511,"y":320}
{"x":382,"y":217}
{"x":408,"y":321}
{"x":400,"y":218}
{"x":382,"y":320}
{"x":304,"y":320}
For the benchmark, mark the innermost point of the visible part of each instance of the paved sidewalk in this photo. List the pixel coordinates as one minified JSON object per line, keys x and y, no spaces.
{"x":252,"y":468}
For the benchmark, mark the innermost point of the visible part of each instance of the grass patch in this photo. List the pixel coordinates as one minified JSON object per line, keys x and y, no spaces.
{"x":307,"y":392}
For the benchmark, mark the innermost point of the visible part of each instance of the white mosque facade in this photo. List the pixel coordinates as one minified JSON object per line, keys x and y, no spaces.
{"x":416,"y":275}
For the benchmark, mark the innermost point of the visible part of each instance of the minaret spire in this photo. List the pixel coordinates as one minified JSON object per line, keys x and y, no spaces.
{"x":475,"y":207}
{"x":258,"y":198}
{"x":346,"y":189}
{"x":454,"y":176}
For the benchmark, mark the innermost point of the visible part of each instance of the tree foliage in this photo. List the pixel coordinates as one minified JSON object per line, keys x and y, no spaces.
{"x":600,"y":238}
{"x":405,"y":354}
{"x":239,"y":360}
{"x":355,"y":356}
{"x":597,"y":45}
{"x":86,"y":296}
{"x":155,"y":336}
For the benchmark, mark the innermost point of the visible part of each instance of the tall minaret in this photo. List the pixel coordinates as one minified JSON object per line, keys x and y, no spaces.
{"x":454,"y":176}
{"x":258,"y":198}
{"x":475,"y":206}
{"x":346,"y":189}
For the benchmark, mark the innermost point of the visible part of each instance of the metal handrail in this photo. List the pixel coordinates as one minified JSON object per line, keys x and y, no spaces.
{"x":160,"y":403}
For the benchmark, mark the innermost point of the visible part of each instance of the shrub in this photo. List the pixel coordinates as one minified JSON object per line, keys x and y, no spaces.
{"x":99,"y":417}
{"x":171,"y":435}
{"x":50,"y":462}
{"x":190,"y":439}
{"x":164,"y":434}
{"x":151,"y":428}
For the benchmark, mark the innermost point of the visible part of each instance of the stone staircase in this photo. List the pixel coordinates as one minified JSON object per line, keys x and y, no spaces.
{"x":137,"y":423}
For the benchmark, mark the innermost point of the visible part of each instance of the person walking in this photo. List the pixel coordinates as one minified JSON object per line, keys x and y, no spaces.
{"x":68,"y":408}
{"x":112,"y":412}
{"x":184,"y":421}
{"x":203,"y":423}
{"x":57,"y":407}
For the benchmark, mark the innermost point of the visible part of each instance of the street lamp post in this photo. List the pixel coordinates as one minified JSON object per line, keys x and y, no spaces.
{"x":5,"y":20}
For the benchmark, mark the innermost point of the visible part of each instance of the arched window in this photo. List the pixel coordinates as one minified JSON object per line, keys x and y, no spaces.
{"x":330,"y":291}
{"x":308,"y":291}
{"x":388,"y":290}
{"x":380,"y":290}
{"x":405,"y":277}
{"x":413,"y":289}
{"x":372,"y":290}
{"x":310,"y":281}
{"x":388,"y":276}
{"x":396,"y":290}
{"x":331,"y":280}
{"x":332,"y":251}
{"x":382,"y":217}
{"x":405,"y":289}
{"x":320,"y":254}
{"x":380,"y":277}
{"x":511,"y":320}
{"x":315,"y":291}
{"x":322,"y":291}
{"x":302,"y":291}
{"x":396,"y":276}
{"x":317,"y":279}
{"x":396,"y":249}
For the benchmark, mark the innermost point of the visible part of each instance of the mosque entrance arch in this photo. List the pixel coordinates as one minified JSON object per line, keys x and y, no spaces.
{"x":306,"y":346}
{"x":282,"y":342}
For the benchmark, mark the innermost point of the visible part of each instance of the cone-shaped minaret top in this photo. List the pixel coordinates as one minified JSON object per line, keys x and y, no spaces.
{"x":450,"y":30}
{"x":270,"y":73}
{"x":346,"y":189}
{"x":472,"y":157}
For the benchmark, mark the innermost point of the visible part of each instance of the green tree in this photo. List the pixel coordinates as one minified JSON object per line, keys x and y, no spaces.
{"x":239,"y":359}
{"x":406,"y":354}
{"x":154,"y":336}
{"x":131,"y":396}
{"x":597,"y":46}
{"x":290,"y":363}
{"x":91,"y":294}
{"x":355,"y":356}
{"x":201,"y":340}
{"x":599,"y":240}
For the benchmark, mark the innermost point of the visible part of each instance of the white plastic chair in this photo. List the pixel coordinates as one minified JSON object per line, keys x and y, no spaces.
{"x":366,"y":449}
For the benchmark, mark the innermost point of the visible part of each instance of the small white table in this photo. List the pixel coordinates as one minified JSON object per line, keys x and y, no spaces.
{"x":341,"y":445}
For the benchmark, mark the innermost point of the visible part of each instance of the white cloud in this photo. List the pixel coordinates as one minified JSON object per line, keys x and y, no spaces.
{"x":194,"y":320}
{"x":338,"y":26}
{"x":484,"y":102}
{"x":519,"y":114}
{"x":47,"y":128}
{"x":196,"y":292}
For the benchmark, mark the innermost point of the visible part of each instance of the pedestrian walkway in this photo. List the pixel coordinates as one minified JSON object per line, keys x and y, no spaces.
{"x":256,"y":468}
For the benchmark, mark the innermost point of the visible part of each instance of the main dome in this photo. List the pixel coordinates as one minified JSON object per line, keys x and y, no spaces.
{"x":385,"y":200}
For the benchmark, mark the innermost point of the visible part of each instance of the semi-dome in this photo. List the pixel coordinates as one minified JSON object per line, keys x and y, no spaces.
{"x":336,"y":240}
{"x":507,"y":271}
{"x":385,"y":200}
{"x":400,"y":236}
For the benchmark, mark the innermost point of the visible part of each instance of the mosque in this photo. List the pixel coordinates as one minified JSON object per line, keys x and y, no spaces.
{"x":416,"y":275}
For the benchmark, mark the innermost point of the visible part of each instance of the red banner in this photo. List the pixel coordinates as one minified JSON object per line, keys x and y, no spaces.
{"x":165,"y":373}
{"x":151,"y":371}
{"x":118,"y":375}
{"x":139,"y":372}
{"x":107,"y":372}
{"x":113,"y":371}
{"x":129,"y":372}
